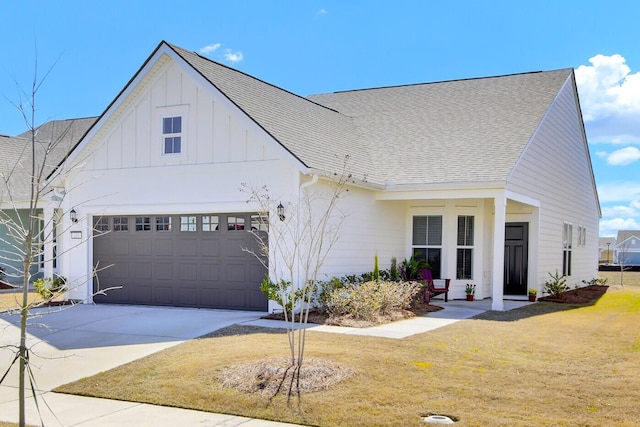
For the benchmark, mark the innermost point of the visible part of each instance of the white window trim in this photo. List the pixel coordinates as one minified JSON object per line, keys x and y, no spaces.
{"x":158,"y":136}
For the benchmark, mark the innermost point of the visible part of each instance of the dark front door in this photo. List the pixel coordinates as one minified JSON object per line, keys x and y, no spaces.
{"x":516,"y":258}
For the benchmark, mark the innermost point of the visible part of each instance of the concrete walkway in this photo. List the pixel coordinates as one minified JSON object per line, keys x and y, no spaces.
{"x":68,"y":345}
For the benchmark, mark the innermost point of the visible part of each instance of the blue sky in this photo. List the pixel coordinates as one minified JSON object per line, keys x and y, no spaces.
{"x":316,"y":46}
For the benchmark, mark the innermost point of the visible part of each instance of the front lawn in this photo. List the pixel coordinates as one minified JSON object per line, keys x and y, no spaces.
{"x":557,"y":366}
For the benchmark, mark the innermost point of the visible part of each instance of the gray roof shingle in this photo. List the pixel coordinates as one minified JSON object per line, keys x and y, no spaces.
{"x":449,"y":132}
{"x":54,"y":140}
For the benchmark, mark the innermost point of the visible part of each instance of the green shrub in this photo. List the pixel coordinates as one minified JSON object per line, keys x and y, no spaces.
{"x":364,"y":301}
{"x":596,"y":281}
{"x":394,"y":274}
{"x":322,"y":292}
{"x":49,"y":288}
{"x":556,"y":285}
{"x":376,"y":270}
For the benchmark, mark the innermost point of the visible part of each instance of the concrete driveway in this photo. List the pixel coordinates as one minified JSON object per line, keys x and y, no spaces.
{"x":72,"y":343}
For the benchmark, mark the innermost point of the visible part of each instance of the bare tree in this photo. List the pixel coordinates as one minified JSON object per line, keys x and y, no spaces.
{"x":26,"y":233}
{"x":296,"y":247}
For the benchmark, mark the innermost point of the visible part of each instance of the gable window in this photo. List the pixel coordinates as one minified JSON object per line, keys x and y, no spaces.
{"x":427,"y":241}
{"x":567,"y":238}
{"x":464,"y":252}
{"x":172,"y":134}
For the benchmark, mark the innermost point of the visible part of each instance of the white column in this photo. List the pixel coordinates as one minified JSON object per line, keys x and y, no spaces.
{"x":48,"y":241}
{"x":500,"y":208}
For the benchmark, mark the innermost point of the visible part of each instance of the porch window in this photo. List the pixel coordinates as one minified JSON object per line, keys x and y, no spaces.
{"x":427,"y":241}
{"x":464,"y":253}
{"x":567,"y":238}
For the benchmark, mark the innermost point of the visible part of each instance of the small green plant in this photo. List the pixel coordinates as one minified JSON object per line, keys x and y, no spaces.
{"x":470,"y":289}
{"x":556,"y":285}
{"x":322,"y":292}
{"x":49,"y":288}
{"x":394,"y":274}
{"x":410,"y":268}
{"x":596,"y":281}
{"x":533,"y":292}
{"x":376,"y":270}
{"x":281,"y":292}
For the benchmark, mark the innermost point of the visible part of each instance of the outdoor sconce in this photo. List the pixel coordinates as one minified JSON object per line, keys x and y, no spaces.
{"x":280,"y":209}
{"x":73,"y":215}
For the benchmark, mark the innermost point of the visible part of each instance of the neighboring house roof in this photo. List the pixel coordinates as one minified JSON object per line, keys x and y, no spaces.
{"x":53,"y":139}
{"x":628,"y":240}
{"x":603,"y":241}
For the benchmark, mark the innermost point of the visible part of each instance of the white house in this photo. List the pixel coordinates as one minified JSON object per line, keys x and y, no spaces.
{"x":490,"y":179}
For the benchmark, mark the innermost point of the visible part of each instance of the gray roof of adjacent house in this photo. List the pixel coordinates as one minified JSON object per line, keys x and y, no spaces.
{"x":54,"y":140}
{"x":458,"y":131}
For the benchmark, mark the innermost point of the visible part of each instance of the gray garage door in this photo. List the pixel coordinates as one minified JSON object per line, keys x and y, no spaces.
{"x":190,"y":260}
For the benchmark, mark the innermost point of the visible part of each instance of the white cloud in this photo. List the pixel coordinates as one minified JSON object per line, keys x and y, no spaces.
{"x":619,"y":192}
{"x":233,"y":56}
{"x":322,"y":11}
{"x":206,"y":50}
{"x":607,"y":87}
{"x":624,"y":156}
{"x":610,"y":227}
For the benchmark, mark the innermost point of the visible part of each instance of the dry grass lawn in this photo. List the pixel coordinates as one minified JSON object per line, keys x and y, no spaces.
{"x":12,"y":300}
{"x":551,"y":366}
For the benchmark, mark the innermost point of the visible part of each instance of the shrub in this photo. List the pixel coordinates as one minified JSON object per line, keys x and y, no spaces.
{"x":364,"y":301}
{"x":410,"y":268}
{"x":556,"y":285}
{"x":394,"y":274}
{"x":49,"y":288}
{"x":596,"y":281}
{"x":322,"y":292}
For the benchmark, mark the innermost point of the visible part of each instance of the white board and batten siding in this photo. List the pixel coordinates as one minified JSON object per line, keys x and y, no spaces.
{"x":555,"y":170}
{"x":126,"y":172}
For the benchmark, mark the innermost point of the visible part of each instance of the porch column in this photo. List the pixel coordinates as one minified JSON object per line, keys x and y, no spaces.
{"x":48,"y":242}
{"x":497,"y":295}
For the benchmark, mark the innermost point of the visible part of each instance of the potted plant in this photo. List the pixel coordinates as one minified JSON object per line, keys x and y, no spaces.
{"x":470,"y":290}
{"x":532,"y":294}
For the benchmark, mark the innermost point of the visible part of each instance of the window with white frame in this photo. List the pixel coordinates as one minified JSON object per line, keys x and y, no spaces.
{"x":464,"y":250}
{"x":163,"y":223}
{"x":582,"y":235}
{"x":101,"y":225}
{"x":210,"y":223}
{"x":567,"y":247}
{"x":172,"y":134}
{"x":187,"y":223}
{"x":427,"y":241}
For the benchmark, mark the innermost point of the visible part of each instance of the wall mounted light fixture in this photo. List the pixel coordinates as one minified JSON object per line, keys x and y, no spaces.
{"x":73,"y":215}
{"x":280,"y":209}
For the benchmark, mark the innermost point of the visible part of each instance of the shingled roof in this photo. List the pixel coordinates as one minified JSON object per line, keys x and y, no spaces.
{"x":458,"y":131}
{"x":54,"y":139}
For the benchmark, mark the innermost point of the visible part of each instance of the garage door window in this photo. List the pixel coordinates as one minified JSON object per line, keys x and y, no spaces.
{"x":102,"y":225}
{"x":188,"y":223}
{"x":259,"y":223}
{"x":163,"y":223}
{"x":209,"y":223}
{"x":235,"y":223}
{"x":120,"y":223}
{"x":143,"y":223}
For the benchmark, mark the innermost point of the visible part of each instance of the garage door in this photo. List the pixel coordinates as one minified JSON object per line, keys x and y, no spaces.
{"x":191,"y":260}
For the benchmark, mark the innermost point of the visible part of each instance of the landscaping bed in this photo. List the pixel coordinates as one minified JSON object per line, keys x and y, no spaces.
{"x":581,"y":295}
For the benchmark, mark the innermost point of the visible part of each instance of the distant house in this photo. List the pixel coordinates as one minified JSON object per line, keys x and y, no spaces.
{"x":53,"y":141}
{"x":489,"y":179}
{"x":605,"y":247}
{"x":627,"y":248}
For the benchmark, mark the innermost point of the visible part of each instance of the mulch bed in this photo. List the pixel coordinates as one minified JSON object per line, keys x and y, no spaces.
{"x":578,"y":296}
{"x":6,"y":286}
{"x":316,"y":317}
